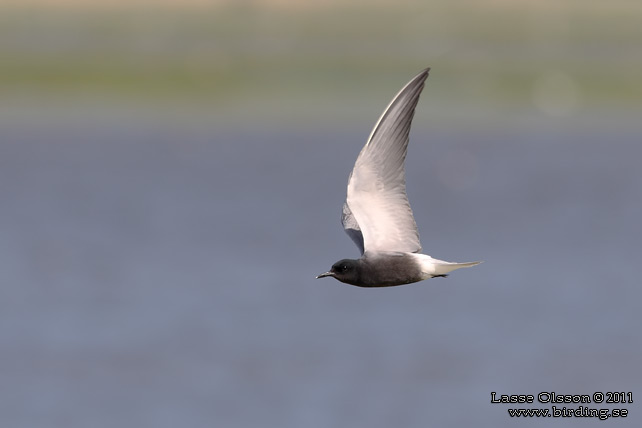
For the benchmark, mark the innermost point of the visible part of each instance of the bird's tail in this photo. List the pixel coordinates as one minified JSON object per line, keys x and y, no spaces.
{"x":443,"y":268}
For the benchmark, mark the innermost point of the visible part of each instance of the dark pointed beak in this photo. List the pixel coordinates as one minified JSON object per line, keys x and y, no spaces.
{"x":323,"y":275}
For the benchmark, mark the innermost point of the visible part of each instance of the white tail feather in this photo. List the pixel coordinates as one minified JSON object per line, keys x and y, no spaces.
{"x":431,"y":267}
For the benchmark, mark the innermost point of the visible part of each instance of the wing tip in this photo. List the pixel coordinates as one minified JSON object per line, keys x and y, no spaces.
{"x":424,"y":73}
{"x":415,"y":86}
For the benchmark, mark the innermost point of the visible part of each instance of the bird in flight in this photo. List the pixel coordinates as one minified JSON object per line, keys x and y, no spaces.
{"x":377,"y":215}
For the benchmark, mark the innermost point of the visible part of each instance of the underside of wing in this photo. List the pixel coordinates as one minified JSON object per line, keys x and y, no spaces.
{"x":352,"y":227}
{"x":376,"y":199}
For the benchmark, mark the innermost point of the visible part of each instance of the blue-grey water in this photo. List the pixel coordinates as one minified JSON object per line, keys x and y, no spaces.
{"x":156,"y":275}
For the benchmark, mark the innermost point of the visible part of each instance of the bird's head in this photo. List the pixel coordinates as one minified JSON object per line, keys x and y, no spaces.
{"x":346,"y":270}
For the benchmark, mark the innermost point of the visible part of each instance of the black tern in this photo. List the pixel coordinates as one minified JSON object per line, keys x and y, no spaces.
{"x":377,"y":215}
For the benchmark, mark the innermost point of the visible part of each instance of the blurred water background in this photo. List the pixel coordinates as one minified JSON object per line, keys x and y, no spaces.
{"x":171,"y":178}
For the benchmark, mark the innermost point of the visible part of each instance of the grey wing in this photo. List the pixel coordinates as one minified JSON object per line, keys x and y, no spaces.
{"x":376,"y":197}
{"x":351,"y":227}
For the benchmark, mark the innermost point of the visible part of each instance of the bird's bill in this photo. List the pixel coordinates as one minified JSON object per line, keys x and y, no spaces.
{"x":323,"y":275}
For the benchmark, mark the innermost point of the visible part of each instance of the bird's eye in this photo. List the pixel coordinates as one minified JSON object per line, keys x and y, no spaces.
{"x":344,"y":268}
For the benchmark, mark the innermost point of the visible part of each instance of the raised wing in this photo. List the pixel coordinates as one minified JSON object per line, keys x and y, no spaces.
{"x":377,"y":206}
